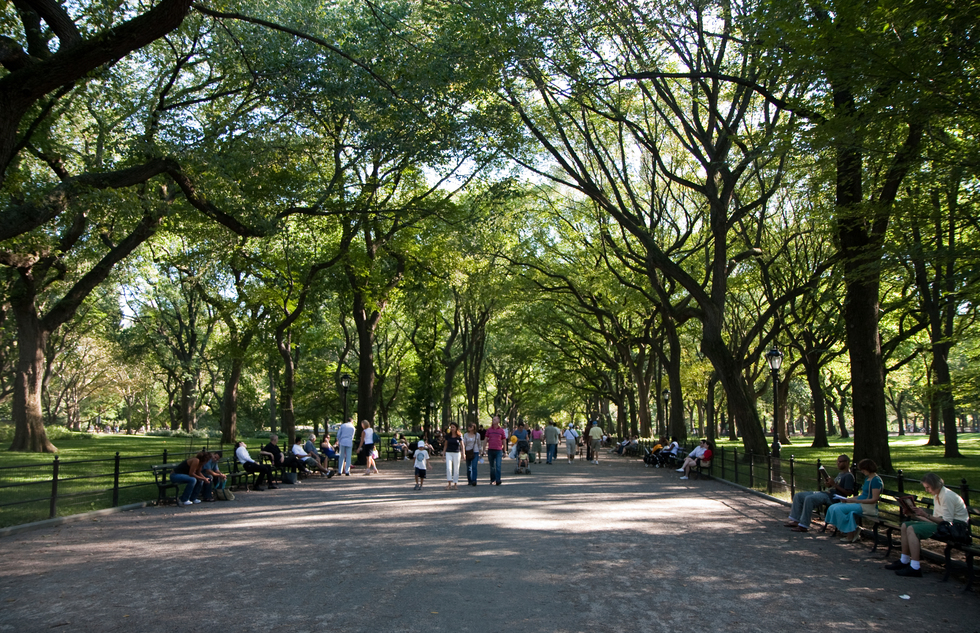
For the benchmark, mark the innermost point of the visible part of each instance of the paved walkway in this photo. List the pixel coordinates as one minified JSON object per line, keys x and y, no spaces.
{"x":614,"y":547}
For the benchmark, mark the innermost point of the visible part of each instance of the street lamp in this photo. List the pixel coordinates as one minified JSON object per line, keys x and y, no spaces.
{"x":775,"y":359}
{"x":666,"y":396}
{"x":345,"y":383}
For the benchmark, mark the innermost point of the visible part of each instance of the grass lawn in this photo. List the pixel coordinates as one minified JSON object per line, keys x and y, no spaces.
{"x":86,"y":474}
{"x":909,"y":454}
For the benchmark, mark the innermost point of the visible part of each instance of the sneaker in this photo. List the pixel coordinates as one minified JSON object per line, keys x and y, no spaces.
{"x":680,"y":470}
{"x":897,"y":565}
{"x":184,"y":503}
{"x":331,"y":473}
{"x":197,"y":501}
{"x":683,"y":477}
{"x":347,"y":474}
{"x":908,"y":571}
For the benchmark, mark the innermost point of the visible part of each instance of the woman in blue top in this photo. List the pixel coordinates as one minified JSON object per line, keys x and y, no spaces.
{"x":844,"y":516}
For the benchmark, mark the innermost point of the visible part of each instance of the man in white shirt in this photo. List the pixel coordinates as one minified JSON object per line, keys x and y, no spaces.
{"x":345,"y":446}
{"x":251,"y":466}
{"x":312,"y":462}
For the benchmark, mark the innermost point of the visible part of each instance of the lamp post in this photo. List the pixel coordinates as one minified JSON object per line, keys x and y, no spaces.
{"x":345,"y":383}
{"x":666,"y":395}
{"x":775,"y":359}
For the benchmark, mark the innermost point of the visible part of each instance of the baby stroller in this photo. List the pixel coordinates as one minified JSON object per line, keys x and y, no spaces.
{"x":656,"y":459}
{"x":523,"y":458}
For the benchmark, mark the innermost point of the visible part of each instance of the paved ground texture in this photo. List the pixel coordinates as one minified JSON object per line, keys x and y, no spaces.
{"x":613,"y":547}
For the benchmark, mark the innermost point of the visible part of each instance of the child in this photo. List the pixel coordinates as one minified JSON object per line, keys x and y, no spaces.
{"x":421,"y":464}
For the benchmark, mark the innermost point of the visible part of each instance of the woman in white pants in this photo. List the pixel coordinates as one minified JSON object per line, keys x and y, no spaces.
{"x":454,"y":449}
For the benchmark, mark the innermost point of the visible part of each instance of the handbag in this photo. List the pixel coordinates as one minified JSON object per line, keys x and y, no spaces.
{"x":289,"y":478}
{"x":469,"y":455}
{"x":955,"y":532}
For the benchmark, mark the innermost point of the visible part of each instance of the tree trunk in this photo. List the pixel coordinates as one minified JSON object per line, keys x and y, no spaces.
{"x":29,"y":434}
{"x":812,"y":369}
{"x":287,"y":416}
{"x":710,"y":406}
{"x":366,"y":322}
{"x":229,"y":402}
{"x":273,"y":399}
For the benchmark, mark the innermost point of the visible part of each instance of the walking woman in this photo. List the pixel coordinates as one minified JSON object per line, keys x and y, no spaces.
{"x":845,"y":516}
{"x":472,"y":445}
{"x":366,"y":448}
{"x":454,"y":447}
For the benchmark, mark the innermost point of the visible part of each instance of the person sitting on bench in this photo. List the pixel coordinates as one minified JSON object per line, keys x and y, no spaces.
{"x":251,"y":466}
{"x":702,"y":452}
{"x":805,"y":502}
{"x":307,"y":460}
{"x":947,"y":506}
{"x":217,"y":478}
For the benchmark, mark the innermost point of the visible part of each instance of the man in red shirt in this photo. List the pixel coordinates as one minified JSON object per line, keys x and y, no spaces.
{"x":496,"y":440}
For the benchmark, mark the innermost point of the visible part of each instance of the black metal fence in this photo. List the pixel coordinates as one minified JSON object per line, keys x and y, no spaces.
{"x":33,"y":492}
{"x":785,"y":476}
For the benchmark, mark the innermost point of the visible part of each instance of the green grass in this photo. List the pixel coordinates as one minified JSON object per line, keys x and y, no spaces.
{"x":86,"y":474}
{"x":908,"y":453}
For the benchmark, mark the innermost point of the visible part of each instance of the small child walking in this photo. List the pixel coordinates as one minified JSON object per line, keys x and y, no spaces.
{"x":421,"y":464}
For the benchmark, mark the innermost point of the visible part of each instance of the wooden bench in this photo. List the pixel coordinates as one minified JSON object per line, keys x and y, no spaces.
{"x":970,"y":550}
{"x":702,"y":469}
{"x":161,"y":474}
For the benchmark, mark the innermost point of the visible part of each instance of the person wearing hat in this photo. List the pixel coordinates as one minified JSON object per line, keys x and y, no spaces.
{"x":571,"y":441}
{"x":421,"y":463}
{"x":595,"y":440}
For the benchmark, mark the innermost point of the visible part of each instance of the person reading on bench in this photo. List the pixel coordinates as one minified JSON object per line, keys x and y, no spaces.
{"x":804,"y":502}
{"x":947,"y":506}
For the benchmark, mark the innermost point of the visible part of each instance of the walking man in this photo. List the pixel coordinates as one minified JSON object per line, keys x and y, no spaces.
{"x":345,"y":446}
{"x":551,"y":437}
{"x":595,"y":440}
{"x":496,"y":440}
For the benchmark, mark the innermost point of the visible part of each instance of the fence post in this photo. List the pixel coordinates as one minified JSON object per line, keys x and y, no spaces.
{"x":722,"y":462}
{"x":965,"y":491}
{"x":900,"y":479}
{"x":769,"y":472}
{"x":54,"y":487}
{"x":735,"y":462}
{"x":751,"y":470}
{"x":115,"y":483}
{"x":165,"y":456}
{"x":792,"y":476}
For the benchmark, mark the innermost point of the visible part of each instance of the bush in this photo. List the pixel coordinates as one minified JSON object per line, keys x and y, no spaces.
{"x":196,"y":433}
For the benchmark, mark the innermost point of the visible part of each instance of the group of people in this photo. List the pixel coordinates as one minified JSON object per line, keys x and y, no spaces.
{"x":201,"y":477}
{"x":845,"y":512}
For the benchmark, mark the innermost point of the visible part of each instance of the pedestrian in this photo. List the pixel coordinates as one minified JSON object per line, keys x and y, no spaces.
{"x":571,"y":441}
{"x":595,"y":441}
{"x":536,"y":436}
{"x":496,"y":440}
{"x":421,"y":464}
{"x":345,"y":446}
{"x":551,"y":438}
{"x":472,"y":445}
{"x":366,"y":448}
{"x":454,"y":452}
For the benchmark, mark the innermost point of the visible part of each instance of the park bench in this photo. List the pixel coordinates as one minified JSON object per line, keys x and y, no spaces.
{"x":237,"y":476}
{"x":701,"y":470}
{"x":161,"y":474}
{"x":969,"y":550}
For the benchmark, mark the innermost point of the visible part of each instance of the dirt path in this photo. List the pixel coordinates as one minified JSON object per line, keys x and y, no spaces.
{"x":614,"y":547}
